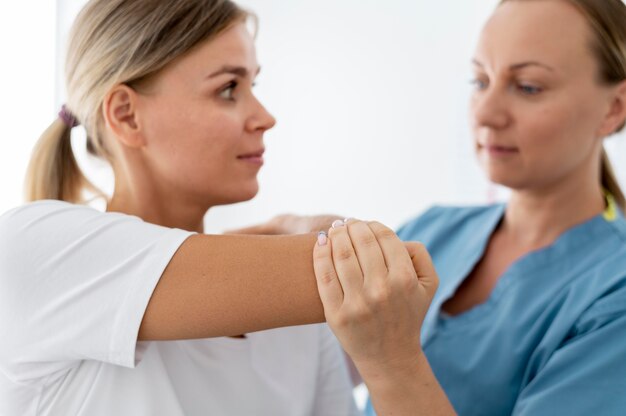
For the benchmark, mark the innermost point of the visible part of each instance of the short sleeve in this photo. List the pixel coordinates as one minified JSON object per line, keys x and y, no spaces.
{"x":74,"y":285}
{"x":587,"y":374}
{"x":334,"y":388}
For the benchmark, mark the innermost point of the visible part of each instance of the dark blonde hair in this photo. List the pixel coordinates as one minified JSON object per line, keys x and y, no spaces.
{"x":607,"y":19}
{"x":116,"y":42}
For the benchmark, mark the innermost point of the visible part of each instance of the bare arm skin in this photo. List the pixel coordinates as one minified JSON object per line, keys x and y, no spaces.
{"x":224,"y":285}
{"x":290,"y":224}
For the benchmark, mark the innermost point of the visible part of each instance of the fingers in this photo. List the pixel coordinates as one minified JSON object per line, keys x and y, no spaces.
{"x":369,"y":254}
{"x":423,"y":265}
{"x":396,"y":257}
{"x":345,"y":259}
{"x":328,"y":284}
{"x":357,"y":258}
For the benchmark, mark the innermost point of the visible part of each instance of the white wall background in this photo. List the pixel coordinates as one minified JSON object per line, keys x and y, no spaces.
{"x":370,"y":98}
{"x":27,"y":79}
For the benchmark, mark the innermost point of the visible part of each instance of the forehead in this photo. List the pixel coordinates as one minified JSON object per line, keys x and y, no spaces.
{"x":236,"y":41}
{"x":233,"y":47}
{"x":553,"y":32}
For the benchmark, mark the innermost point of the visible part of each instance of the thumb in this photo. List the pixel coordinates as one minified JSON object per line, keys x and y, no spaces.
{"x":423,"y":265}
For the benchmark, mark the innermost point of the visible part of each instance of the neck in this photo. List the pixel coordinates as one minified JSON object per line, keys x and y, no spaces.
{"x":150,"y":207}
{"x":537,"y":217}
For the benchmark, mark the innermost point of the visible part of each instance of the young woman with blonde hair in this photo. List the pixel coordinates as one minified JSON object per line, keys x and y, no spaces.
{"x":111,"y":313}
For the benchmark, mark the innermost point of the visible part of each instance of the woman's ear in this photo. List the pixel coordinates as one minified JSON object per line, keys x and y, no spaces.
{"x":121,"y":117}
{"x":616,"y":116}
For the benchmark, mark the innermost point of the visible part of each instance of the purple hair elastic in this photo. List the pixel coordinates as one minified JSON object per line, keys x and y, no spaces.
{"x":68,"y":118}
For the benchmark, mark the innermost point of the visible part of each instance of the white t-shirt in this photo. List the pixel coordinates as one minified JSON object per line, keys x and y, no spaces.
{"x":74,"y":285}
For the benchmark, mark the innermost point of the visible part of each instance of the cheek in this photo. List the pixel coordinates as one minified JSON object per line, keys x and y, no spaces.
{"x":204,"y":148}
{"x":558,"y":138}
{"x":556,"y":126}
{"x":191,"y":139}
{"x":215,"y":136}
{"x":194,"y":130}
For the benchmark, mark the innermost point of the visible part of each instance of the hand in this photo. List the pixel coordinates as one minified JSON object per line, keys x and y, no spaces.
{"x":376,"y":291}
{"x":290,"y":224}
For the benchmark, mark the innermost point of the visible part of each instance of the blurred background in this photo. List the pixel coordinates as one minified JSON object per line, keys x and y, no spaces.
{"x":370,"y":96}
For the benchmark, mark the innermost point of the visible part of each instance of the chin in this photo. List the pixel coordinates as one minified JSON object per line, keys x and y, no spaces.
{"x":504,"y":178}
{"x":243,"y":194}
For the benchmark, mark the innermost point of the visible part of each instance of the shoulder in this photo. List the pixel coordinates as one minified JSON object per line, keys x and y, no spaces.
{"x":37,"y":230}
{"x":607,"y":289}
{"x":29,"y":227}
{"x":601,"y":265}
{"x":52,"y":241}
{"x":47,"y":219}
{"x":34,"y":210}
{"x":50,"y":238}
{"x":58,"y":261}
{"x":46,"y":226}
{"x":445,"y":219}
{"x":619,"y":227}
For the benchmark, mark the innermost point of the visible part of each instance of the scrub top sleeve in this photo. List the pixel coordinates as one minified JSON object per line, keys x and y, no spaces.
{"x":334,"y":389}
{"x":587,"y":374}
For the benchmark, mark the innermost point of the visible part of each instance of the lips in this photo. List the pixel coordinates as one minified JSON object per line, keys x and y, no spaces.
{"x":498,"y":149}
{"x":255,"y":157}
{"x":258,"y":153}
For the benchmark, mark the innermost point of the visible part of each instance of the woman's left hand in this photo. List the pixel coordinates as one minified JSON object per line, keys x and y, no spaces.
{"x":376,"y":291}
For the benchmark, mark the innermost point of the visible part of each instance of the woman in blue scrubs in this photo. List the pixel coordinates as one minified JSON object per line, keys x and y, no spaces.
{"x":530,"y":314}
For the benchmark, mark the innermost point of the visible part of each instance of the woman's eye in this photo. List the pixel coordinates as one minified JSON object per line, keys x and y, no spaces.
{"x":479,"y":84}
{"x":228,"y":91}
{"x":529,"y":89}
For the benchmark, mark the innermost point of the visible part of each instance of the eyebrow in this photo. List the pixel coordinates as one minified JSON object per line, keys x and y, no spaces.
{"x":240,"y":71}
{"x":521,"y":65}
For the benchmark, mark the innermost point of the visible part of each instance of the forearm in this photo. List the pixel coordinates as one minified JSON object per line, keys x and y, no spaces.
{"x":229,"y":285}
{"x":398,"y":390}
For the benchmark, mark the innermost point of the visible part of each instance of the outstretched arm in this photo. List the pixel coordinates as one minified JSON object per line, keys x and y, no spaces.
{"x":227,"y":285}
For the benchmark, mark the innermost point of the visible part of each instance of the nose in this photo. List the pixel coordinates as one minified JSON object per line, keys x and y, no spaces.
{"x":489,"y":108}
{"x":260,"y":119}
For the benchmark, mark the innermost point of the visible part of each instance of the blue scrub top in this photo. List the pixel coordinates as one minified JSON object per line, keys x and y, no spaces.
{"x":551,"y":338}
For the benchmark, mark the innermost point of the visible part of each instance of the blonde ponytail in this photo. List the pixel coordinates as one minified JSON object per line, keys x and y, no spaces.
{"x":53,"y":172}
{"x":610,"y":183}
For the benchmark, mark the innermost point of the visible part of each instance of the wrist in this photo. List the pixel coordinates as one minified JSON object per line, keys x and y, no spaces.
{"x":380,"y":372}
{"x":407,"y":390}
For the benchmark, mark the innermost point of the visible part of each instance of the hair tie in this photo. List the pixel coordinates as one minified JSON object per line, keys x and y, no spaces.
{"x":68,"y":118}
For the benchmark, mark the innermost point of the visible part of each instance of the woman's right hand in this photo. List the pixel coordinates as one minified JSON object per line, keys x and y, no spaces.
{"x":376,"y":291}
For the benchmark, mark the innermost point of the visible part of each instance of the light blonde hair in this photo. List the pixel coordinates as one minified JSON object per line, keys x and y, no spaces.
{"x":607,"y":19}
{"x":116,"y":42}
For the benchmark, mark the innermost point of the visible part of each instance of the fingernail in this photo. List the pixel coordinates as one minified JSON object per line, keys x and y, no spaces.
{"x":338,"y":223}
{"x":345,"y":221}
{"x":321,"y":238}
